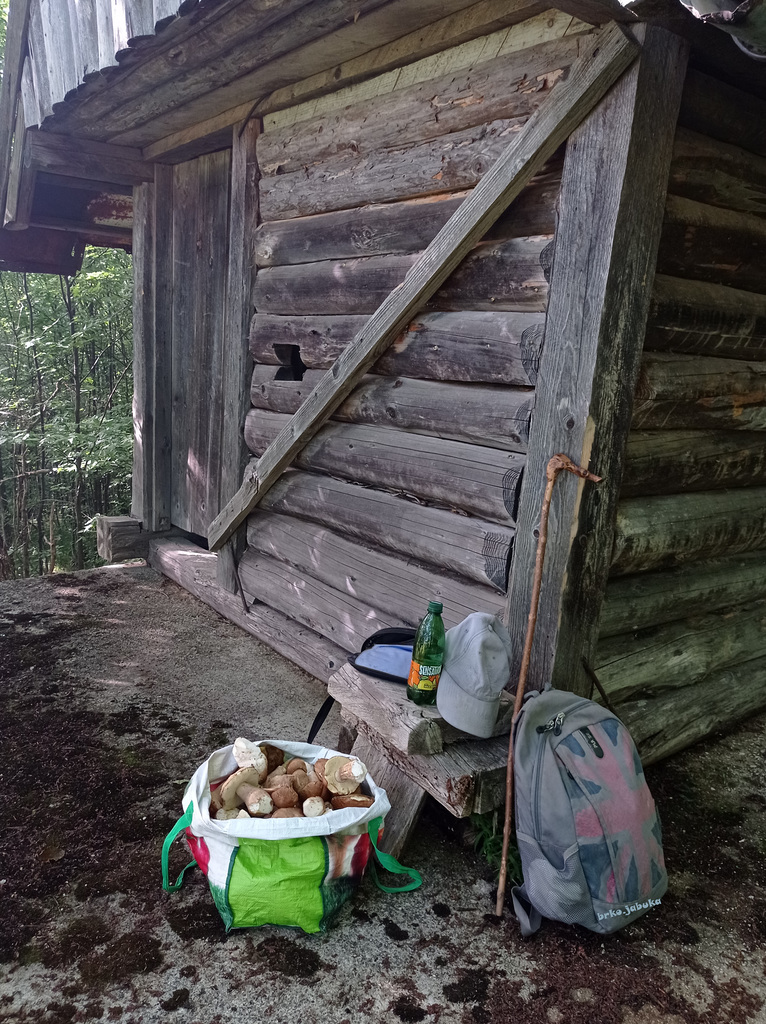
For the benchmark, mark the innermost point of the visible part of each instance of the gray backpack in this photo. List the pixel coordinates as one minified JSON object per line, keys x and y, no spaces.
{"x":586,"y":825}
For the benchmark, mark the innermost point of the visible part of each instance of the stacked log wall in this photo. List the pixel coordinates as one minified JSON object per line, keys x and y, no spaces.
{"x":409,"y":493}
{"x":682,"y":648}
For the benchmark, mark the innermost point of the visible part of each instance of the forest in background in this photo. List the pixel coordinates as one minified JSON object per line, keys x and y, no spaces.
{"x":66,"y":391}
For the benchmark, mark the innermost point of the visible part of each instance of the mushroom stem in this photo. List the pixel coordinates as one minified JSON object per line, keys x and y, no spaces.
{"x":352,"y":771}
{"x":257,"y":800}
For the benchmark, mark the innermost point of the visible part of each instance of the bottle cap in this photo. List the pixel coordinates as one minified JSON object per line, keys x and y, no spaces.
{"x":435,"y":606}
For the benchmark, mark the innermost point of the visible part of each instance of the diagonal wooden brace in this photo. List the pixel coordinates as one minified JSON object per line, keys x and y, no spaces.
{"x":609,"y":53}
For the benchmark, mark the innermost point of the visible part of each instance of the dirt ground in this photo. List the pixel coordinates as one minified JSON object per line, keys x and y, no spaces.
{"x":115,"y":684}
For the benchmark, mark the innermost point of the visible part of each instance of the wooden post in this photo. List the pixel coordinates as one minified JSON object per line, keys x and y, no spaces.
{"x":611,"y":209}
{"x":237,"y":361}
{"x":152,"y":311}
{"x":589,"y":79}
{"x":13,"y":65}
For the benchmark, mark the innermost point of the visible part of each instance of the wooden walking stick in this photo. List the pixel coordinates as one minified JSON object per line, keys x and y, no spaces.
{"x":555,"y":466}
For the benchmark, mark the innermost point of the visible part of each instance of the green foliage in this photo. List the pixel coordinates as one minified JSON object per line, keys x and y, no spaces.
{"x":66,"y":393}
{"x":487,"y":832}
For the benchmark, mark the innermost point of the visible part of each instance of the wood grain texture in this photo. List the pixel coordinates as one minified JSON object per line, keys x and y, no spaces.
{"x":598,"y":309}
{"x":667,"y":530}
{"x":406,"y":797}
{"x":391,"y":583}
{"x":194,"y":569}
{"x":385,"y":708}
{"x":496,"y":275}
{"x":14,"y":57}
{"x":487,"y":415}
{"x":478,"y":480}
{"x":589,"y":79}
{"x":509,"y":86}
{"x":400,"y":227}
{"x":706,"y":319}
{"x":335,"y":614}
{"x":649,"y":599}
{"x":678,"y":654}
{"x":671,"y":462}
{"x":718,"y":174}
{"x":466,"y":546}
{"x":200,"y":244}
{"x":258,"y":60}
{"x":487,"y":16}
{"x":478,"y":347}
{"x":669,"y":723}
{"x":119,"y":538}
{"x":677,"y":392}
{"x":708,"y":243}
{"x":466,"y":778}
{"x":711,"y":107}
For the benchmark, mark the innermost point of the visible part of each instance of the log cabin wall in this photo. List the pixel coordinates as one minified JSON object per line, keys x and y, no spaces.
{"x":409,"y":493}
{"x":682,"y":646}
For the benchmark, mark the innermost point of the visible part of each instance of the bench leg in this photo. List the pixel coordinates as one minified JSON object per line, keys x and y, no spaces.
{"x":406,"y":797}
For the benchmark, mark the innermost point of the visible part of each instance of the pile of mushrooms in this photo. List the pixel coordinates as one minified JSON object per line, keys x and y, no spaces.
{"x":265,"y":785}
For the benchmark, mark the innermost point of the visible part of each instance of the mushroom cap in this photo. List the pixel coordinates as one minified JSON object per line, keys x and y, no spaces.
{"x":275,"y":756}
{"x":353,"y":767}
{"x":284,"y":796}
{"x":288,"y":812}
{"x":307,"y":785}
{"x":319,"y":766}
{"x":296,"y":764}
{"x":228,"y":789}
{"x":313,"y":807}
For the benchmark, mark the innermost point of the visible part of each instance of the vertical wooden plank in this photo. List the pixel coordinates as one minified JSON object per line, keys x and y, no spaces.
{"x":36,"y":44}
{"x":152,"y":285}
{"x":14,"y":66}
{"x":21,"y":180}
{"x":143,"y":349}
{"x":106,"y":49}
{"x":611,"y":208}
{"x":28,"y":98}
{"x":163,"y":348}
{"x":83,"y":12}
{"x":237,"y":361}
{"x":183,"y":315}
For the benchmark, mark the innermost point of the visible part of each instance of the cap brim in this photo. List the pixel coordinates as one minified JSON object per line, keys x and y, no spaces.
{"x":464,"y":711}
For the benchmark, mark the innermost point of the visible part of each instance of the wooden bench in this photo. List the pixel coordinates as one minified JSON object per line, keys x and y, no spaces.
{"x":413,"y":753}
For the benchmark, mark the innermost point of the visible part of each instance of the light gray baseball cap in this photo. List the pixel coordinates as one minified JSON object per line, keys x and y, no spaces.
{"x":477,"y":667}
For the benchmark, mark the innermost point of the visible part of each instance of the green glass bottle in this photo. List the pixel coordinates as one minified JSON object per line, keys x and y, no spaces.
{"x":427,"y":656}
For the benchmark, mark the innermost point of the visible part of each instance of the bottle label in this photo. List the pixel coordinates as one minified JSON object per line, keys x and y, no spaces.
{"x":424,"y":677}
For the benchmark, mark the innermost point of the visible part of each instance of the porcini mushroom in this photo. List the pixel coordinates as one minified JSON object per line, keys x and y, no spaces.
{"x":274,"y":756}
{"x":296,"y":764}
{"x":344,"y":774}
{"x":288,"y":812}
{"x":284,"y":796}
{"x":257,"y":801}
{"x":244,"y":778}
{"x":248,"y":754}
{"x":351,"y":800}
{"x":314,"y":807}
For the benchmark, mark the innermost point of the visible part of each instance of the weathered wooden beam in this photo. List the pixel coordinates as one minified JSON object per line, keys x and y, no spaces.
{"x":706,"y":319}
{"x":589,"y":79}
{"x":666,"y":530}
{"x":400,"y":227}
{"x":479,"y":480}
{"x":675,"y":461}
{"x":670,"y":722}
{"x":41,"y":251}
{"x":85,"y":159}
{"x":335,"y":614}
{"x":237,"y":363}
{"x":496,"y":275}
{"x":708,"y":243}
{"x":254,"y":63}
{"x":649,"y":599}
{"x":21,"y":181}
{"x":711,"y":107}
{"x":681,"y":392}
{"x":477,"y":347}
{"x":152,"y":333}
{"x":487,"y":16}
{"x":14,"y":56}
{"x":615,"y":175}
{"x":119,"y":538}
{"x":194,"y":569}
{"x":392,"y":584}
{"x":677,"y":654}
{"x":713,"y":172}
{"x":487,"y":415}
{"x":463,"y":545}
{"x":509,"y":86}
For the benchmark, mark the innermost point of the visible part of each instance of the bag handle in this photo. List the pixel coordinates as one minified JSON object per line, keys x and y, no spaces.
{"x":390,"y":864}
{"x":183,"y":822}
